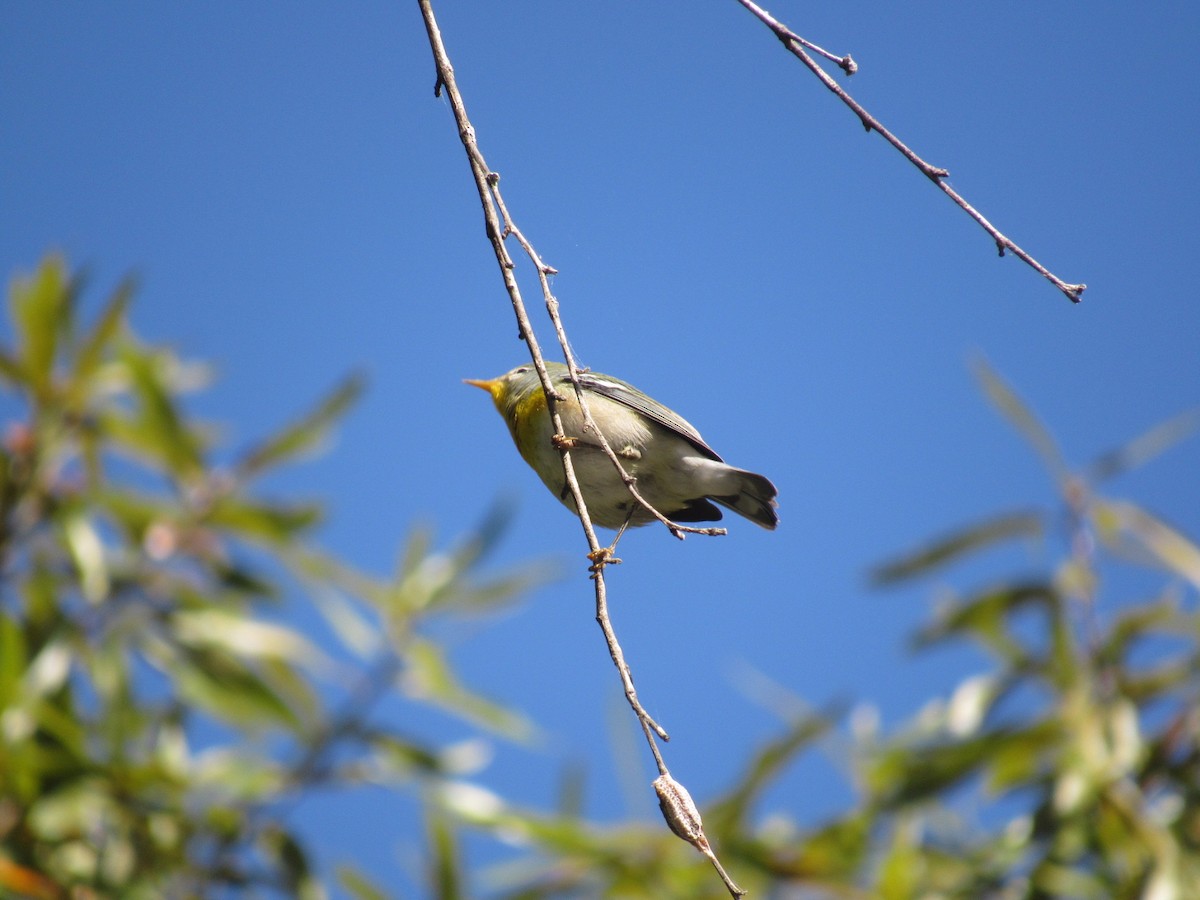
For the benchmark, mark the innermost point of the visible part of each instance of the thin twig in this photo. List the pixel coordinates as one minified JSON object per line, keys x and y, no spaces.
{"x":796,"y":44}
{"x":487,"y":183}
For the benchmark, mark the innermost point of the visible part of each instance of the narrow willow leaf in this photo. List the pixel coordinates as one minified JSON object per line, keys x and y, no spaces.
{"x":11,"y":370}
{"x":941,"y":552}
{"x":1005,"y":399}
{"x":107,"y":328}
{"x":570,"y":796}
{"x":99,"y":340}
{"x":1145,"y":447}
{"x":395,"y":755}
{"x":1162,"y":616}
{"x":362,"y":637}
{"x":471,"y":802}
{"x":237,"y":775}
{"x":133,"y":512}
{"x":904,"y":863}
{"x":286,"y":850}
{"x":1020,"y":760}
{"x":80,"y":806}
{"x":246,"y":636}
{"x":763,"y":768}
{"x":985,"y":616}
{"x":40,"y":308}
{"x":48,"y":671}
{"x":304,"y":434}
{"x":159,"y":429}
{"x":484,"y":538}
{"x":414,"y":552}
{"x":494,"y":593}
{"x":324,"y":570}
{"x":273,"y":522}
{"x":835,"y":850}
{"x":358,"y":885}
{"x":902,"y":775}
{"x":87,"y":552}
{"x":1146,"y":685}
{"x":429,"y":677}
{"x":444,"y":864}
{"x":1117,"y":519}
{"x":229,"y":689}
{"x":970,"y":704}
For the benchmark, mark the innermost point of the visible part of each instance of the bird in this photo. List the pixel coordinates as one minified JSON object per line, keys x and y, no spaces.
{"x":676,"y":471}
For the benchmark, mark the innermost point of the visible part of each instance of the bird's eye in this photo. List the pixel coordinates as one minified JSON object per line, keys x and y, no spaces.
{"x":520,"y":370}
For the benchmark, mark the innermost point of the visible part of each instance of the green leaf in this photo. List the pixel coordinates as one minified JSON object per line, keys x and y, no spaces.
{"x":428,"y":581}
{"x":159,"y":430}
{"x":428,"y":677}
{"x":1019,"y":760}
{"x":40,"y":307}
{"x":245,"y":636}
{"x":304,"y":434}
{"x":80,"y":806}
{"x":272,"y":522}
{"x":1021,"y":416}
{"x":220,"y":683}
{"x":12,"y":661}
{"x":358,"y":885}
{"x":901,"y":775}
{"x":763,"y":768}
{"x":484,"y":539}
{"x":1162,"y":616}
{"x":942,"y":551}
{"x":1144,"y":447}
{"x":289,"y":856}
{"x":99,"y":340}
{"x":1143,"y":686}
{"x":445,"y":867}
{"x":134,"y":512}
{"x":985,"y":616}
{"x":361,"y":636}
{"x":835,"y":850}
{"x":11,"y":370}
{"x":1125,"y":526}
{"x":236,"y":776}
{"x":394,"y":754}
{"x":87,"y":552}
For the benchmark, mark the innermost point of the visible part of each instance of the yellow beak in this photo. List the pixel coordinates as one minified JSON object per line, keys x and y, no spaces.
{"x":493,"y":387}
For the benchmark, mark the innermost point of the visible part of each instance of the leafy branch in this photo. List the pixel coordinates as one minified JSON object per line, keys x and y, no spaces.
{"x":134,"y":572}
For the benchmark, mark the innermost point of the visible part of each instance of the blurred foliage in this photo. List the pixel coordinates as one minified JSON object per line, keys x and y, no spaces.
{"x":158,"y":717}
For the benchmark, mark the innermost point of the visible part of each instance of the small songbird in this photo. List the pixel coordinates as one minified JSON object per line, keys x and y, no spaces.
{"x":677,"y":473}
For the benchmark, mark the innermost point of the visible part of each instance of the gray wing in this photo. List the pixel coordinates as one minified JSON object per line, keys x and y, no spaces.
{"x":627,"y":394}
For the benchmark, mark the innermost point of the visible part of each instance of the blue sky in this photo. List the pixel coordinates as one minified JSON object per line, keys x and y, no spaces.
{"x":297,"y":206}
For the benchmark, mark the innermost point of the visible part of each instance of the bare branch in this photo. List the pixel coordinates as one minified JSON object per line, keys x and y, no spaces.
{"x":495,"y":213}
{"x":796,"y":45}
{"x":487,"y":184}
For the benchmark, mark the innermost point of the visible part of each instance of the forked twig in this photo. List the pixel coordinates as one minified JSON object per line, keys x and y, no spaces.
{"x":796,"y":45}
{"x":487,"y":184}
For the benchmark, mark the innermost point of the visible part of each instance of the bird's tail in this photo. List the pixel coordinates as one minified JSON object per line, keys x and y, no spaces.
{"x":755,"y":498}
